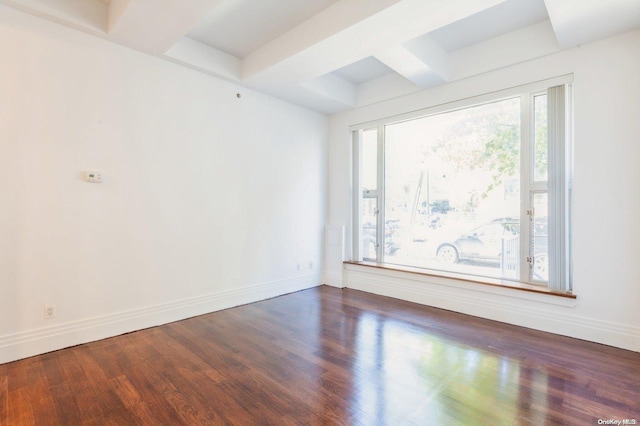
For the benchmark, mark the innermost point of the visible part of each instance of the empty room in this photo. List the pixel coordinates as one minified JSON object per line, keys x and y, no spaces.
{"x":305,"y":212}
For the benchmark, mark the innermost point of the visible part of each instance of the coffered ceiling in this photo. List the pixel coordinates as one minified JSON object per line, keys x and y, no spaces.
{"x":331,"y":55}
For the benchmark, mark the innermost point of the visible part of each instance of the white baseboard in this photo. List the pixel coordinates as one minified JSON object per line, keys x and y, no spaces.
{"x":35,"y":342}
{"x":537,"y":311}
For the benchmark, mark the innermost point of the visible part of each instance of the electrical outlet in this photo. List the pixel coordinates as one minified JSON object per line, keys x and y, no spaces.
{"x":297,"y":267}
{"x":310,"y":265}
{"x":49,"y":311}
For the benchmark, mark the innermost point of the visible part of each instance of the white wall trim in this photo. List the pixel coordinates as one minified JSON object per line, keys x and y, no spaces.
{"x":35,"y":342}
{"x":537,"y":311}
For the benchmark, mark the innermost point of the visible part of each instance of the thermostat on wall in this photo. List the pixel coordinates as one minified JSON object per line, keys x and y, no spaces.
{"x":93,"y":177}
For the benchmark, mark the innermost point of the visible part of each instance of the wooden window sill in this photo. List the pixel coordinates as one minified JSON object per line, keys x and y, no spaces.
{"x":515,"y":285}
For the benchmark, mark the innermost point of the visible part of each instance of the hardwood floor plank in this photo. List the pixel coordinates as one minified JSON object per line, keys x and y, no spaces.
{"x":251,"y":384}
{"x":276,"y":363}
{"x":60,"y":389}
{"x":326,"y":356}
{"x":100,"y":385}
{"x":164,"y":379}
{"x":20,"y":409}
{"x":126,"y":392}
{"x":4,"y":396}
{"x":42,"y":402}
{"x":133,"y":366}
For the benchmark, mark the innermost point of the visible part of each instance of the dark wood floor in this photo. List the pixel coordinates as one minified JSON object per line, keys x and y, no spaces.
{"x":326,"y":356}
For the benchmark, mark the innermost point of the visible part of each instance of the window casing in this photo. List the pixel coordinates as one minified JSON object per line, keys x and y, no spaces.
{"x":493,"y":172}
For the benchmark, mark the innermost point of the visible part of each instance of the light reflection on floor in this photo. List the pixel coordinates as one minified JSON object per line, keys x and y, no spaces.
{"x":406,"y":376}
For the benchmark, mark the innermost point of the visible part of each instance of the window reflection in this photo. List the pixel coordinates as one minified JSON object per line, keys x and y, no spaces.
{"x":405,"y":375}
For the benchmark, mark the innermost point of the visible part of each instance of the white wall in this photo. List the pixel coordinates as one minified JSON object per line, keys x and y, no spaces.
{"x":606,"y":199}
{"x":208,"y":201}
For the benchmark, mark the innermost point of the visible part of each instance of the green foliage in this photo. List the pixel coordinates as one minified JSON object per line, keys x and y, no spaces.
{"x":465,"y":156}
{"x":541,"y":147}
{"x":501,"y":155}
{"x":484,"y":138}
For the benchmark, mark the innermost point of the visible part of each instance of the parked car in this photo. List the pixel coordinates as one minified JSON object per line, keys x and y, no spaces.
{"x":495,"y":242}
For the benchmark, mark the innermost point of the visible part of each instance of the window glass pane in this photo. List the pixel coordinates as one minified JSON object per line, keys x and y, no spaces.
{"x":370,"y":159}
{"x":452,"y":191}
{"x":369,"y":234}
{"x":540,"y":238}
{"x":540,"y":147}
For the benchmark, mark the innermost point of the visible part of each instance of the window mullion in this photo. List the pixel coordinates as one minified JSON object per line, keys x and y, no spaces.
{"x":381,"y":199}
{"x":357,"y":195}
{"x":526,"y":174}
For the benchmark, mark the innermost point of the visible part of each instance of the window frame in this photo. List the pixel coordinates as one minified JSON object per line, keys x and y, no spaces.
{"x":559,"y":158}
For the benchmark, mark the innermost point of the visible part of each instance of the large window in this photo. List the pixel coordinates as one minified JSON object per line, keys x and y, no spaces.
{"x":480,"y":188}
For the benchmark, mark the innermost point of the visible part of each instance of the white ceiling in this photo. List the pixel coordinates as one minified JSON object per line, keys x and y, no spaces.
{"x":363,"y":70}
{"x":332,"y":55}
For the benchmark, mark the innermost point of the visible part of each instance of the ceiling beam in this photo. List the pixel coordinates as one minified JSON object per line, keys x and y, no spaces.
{"x":316,"y":30}
{"x":348,"y":31}
{"x":196,"y":55}
{"x":432,"y":54}
{"x":405,"y":63}
{"x":153,"y":26}
{"x":89,"y":16}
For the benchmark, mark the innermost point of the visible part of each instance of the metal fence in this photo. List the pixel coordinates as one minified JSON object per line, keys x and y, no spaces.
{"x":510,"y":257}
